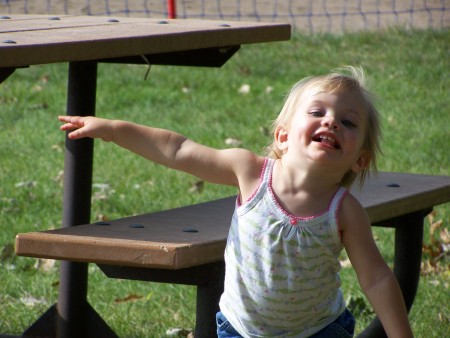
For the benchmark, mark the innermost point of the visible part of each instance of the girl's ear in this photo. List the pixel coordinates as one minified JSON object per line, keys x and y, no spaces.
{"x":362,"y":162}
{"x":281,"y":137}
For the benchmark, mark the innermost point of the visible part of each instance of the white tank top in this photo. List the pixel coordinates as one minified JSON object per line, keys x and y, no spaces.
{"x":282,"y":272}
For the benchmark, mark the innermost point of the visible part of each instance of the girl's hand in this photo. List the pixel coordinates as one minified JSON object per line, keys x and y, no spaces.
{"x":87,"y":126}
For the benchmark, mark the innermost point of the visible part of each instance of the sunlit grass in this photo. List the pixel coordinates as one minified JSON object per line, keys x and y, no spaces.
{"x":408,"y":71}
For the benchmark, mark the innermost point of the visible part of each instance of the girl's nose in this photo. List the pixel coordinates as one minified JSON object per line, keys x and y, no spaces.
{"x":330,"y":122}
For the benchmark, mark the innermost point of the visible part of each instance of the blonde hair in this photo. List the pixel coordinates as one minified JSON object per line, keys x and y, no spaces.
{"x":347,"y":79}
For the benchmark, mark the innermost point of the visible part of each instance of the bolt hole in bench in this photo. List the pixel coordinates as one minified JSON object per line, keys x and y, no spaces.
{"x":185,"y":245}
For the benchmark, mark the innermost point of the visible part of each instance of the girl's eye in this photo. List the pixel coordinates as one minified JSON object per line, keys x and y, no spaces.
{"x":316,"y":113}
{"x":348,"y":124}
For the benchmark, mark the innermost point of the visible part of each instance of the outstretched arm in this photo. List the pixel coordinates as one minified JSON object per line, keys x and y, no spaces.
{"x":376,"y":279}
{"x":228,"y":166}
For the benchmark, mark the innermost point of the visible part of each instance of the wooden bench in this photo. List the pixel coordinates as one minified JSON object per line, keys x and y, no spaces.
{"x":186,"y":245}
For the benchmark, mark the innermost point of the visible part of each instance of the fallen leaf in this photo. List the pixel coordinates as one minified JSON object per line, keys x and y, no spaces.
{"x":244,"y":89}
{"x":433,"y":228}
{"x":45,"y":265}
{"x":59,"y":178}
{"x":358,"y":306}
{"x":436,"y":249}
{"x":7,"y":252}
{"x":129,"y":298}
{"x":101,"y":186}
{"x":36,"y":88}
{"x":10,"y":267}
{"x":26,"y":184}
{"x":443,"y":318}
{"x":265,"y":131}
{"x":431,"y":216}
{"x":44,"y":79}
{"x":102,"y":218}
{"x":445,"y":236}
{"x":31,"y":301}
{"x":234,"y":142}
{"x":149,"y":296}
{"x":346,"y":263}
{"x":178,"y":332}
{"x":197,"y":187}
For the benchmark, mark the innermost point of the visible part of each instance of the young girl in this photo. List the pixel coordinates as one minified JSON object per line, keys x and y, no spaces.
{"x":293,"y":214}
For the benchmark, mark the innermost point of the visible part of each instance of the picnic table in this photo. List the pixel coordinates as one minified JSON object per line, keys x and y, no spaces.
{"x":83,"y":42}
{"x":183,"y":245}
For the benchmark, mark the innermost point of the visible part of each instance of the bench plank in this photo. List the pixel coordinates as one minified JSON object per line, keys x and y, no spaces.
{"x":164,"y":243}
{"x":390,"y":195}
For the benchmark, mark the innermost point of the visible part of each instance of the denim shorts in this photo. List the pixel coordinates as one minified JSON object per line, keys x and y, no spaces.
{"x":342,"y":327}
{"x":224,"y":328}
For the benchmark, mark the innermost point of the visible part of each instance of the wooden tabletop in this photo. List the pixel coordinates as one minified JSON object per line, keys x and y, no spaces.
{"x":38,"y":39}
{"x":195,"y":235}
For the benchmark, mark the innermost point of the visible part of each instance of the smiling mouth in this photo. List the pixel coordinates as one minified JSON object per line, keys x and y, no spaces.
{"x":327,"y":140}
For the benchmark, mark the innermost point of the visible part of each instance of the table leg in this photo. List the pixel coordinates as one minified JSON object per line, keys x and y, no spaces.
{"x":5,"y":73}
{"x":77,"y":199}
{"x":208,"y":297}
{"x":73,"y":316}
{"x":407,"y":261}
{"x":208,"y":278}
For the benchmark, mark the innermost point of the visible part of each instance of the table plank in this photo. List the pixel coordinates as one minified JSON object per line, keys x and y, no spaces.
{"x":29,"y":23}
{"x":25,"y":42}
{"x":163,"y":243}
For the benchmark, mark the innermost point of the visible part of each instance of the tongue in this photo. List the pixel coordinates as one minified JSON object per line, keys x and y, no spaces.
{"x":329,"y":143}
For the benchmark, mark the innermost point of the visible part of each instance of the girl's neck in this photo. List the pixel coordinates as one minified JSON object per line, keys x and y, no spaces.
{"x":317,"y":179}
{"x":303,"y":192}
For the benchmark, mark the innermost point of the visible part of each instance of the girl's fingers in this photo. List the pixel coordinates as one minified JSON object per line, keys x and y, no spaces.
{"x":74,"y":134}
{"x":79,"y":126}
{"x":72,"y":122}
{"x":68,"y":126}
{"x":68,"y":119}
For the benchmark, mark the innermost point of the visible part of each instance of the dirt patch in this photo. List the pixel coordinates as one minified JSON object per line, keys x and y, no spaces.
{"x":335,"y":16}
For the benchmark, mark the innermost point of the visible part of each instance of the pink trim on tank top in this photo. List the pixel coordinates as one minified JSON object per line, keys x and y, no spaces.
{"x":293,"y":218}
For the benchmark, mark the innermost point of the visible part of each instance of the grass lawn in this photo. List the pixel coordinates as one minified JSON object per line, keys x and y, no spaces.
{"x":408,"y":70}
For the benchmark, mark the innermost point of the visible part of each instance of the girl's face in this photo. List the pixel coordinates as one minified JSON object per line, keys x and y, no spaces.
{"x":327,"y":129}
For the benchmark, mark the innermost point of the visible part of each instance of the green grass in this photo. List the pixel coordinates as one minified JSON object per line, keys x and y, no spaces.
{"x":408,"y":71}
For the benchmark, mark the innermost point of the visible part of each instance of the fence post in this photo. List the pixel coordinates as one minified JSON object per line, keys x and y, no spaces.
{"x":171,"y":9}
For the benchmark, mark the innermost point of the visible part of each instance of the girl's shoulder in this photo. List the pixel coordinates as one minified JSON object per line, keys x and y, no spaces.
{"x":250,"y":173}
{"x":352,"y":213}
{"x":350,"y":205}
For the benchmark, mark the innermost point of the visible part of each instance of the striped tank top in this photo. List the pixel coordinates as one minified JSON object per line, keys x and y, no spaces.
{"x":282,"y":272}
